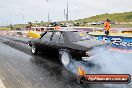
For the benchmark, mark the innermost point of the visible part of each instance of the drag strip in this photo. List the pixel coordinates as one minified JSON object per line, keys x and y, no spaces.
{"x":19,"y":69}
{"x":19,"y":43}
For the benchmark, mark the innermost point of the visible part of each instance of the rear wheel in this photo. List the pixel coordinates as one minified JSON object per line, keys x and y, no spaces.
{"x":81,"y":80}
{"x":65,"y":58}
{"x":34,"y":50}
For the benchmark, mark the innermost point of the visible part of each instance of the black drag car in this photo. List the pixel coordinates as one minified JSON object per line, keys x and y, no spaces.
{"x":66,"y":44}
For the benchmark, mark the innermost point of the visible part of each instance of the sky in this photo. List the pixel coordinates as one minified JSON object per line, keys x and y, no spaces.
{"x":24,"y":11}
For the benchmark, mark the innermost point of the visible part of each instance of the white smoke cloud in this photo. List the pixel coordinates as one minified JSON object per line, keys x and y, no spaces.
{"x":107,"y":62}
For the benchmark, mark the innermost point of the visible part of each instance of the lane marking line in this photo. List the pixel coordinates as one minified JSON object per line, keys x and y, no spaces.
{"x":4,"y":33}
{"x":2,"y":84}
{"x":10,"y":34}
{"x":30,"y":37}
{"x":18,"y":35}
{"x":24,"y":36}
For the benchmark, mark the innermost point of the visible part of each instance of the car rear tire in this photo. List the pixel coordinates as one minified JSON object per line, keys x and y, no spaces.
{"x":34,"y":50}
{"x":80,"y":80}
{"x":65,"y":58}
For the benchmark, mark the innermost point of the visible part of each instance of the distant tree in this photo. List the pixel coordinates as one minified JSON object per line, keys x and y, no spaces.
{"x":11,"y":26}
{"x":29,"y":24}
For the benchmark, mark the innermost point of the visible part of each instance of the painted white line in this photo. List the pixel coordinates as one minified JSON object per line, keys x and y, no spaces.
{"x":5,"y":33}
{"x":30,"y":37}
{"x":10,"y":34}
{"x":2,"y":84}
{"x":17,"y":35}
{"x":24,"y":36}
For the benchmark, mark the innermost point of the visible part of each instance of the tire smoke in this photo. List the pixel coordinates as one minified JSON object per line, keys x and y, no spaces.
{"x":106,"y":62}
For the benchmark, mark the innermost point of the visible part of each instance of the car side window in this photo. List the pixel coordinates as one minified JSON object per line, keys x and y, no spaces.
{"x":58,"y":38}
{"x":47,"y":37}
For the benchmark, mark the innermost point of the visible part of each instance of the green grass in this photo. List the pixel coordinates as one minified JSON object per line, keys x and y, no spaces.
{"x":5,"y":29}
{"x":116,"y":17}
{"x":19,"y":26}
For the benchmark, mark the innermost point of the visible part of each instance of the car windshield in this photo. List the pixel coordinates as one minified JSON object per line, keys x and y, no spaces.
{"x":78,"y":36}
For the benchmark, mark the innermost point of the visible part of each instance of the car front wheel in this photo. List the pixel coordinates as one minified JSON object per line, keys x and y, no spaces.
{"x":65,"y":58}
{"x":34,"y":50}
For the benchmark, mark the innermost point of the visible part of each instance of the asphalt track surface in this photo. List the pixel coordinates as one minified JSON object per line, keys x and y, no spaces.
{"x":20,"y":69}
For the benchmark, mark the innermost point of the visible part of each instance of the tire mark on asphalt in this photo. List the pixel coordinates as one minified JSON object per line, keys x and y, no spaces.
{"x":12,"y":77}
{"x":26,"y":49}
{"x":16,"y":44}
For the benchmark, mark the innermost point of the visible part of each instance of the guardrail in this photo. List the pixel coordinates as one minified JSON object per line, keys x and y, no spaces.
{"x":115,"y":30}
{"x":92,"y":30}
{"x":88,"y":29}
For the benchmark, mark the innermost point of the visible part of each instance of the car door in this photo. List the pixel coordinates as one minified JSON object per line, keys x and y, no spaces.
{"x":57,"y":41}
{"x":45,"y":41}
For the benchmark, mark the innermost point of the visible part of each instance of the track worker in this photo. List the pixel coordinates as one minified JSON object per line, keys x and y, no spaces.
{"x":57,"y":27}
{"x":107,"y":26}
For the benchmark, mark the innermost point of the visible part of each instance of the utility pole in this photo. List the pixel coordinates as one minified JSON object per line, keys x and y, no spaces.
{"x":64,"y":14}
{"x":67,"y":15}
{"x":23,"y":18}
{"x":48,"y":11}
{"x":48,"y":17}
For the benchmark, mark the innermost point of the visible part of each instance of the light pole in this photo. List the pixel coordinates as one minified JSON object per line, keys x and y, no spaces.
{"x":64,"y":14}
{"x":48,"y":17}
{"x":48,"y":11}
{"x":67,"y":15}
